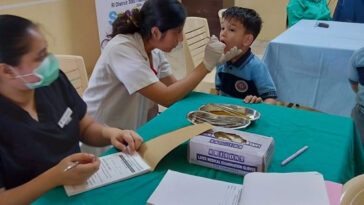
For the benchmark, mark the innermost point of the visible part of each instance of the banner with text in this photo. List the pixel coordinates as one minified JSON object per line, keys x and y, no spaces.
{"x":107,"y":11}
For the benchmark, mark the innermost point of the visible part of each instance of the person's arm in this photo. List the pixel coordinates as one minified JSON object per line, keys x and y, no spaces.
{"x":169,"y":80}
{"x":164,"y":70}
{"x":53,"y":177}
{"x":356,"y":69}
{"x":167,"y":95}
{"x":95,"y":134}
{"x":356,"y":76}
{"x":354,"y":86}
{"x":21,"y":194}
{"x":252,"y":99}
{"x":271,"y":101}
{"x":264,"y":83}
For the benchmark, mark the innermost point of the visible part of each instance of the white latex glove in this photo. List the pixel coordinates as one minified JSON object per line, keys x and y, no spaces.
{"x":234,"y":51}
{"x":214,"y":53}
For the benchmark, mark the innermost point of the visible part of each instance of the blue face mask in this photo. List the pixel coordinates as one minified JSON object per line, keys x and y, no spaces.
{"x":47,"y":71}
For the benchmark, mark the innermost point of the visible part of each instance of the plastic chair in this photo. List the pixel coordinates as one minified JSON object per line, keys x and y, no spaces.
{"x":75,"y":70}
{"x":219,"y":13}
{"x":353,"y":191}
{"x":196,"y":34}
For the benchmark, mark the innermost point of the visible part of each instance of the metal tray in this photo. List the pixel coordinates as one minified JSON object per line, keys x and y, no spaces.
{"x":231,"y":110}
{"x":233,"y":122}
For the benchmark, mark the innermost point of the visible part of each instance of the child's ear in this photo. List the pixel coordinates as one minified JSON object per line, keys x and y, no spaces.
{"x":156,"y":33}
{"x":248,"y":40}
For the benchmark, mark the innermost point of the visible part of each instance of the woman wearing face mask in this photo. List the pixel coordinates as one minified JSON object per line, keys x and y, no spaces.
{"x":42,"y":119}
{"x":132,"y":75}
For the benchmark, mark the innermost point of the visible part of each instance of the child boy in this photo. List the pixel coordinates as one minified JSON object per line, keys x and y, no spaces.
{"x":245,"y":76}
{"x":356,"y":77}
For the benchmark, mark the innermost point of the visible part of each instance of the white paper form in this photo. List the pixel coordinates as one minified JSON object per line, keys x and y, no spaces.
{"x":301,"y":188}
{"x":113,"y":168}
{"x":181,"y":189}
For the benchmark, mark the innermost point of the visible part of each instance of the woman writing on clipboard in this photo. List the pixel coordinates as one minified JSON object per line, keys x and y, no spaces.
{"x":42,"y":119}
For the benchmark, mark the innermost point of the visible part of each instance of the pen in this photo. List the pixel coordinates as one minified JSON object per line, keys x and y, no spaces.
{"x":71,"y":166}
{"x":294,"y":155}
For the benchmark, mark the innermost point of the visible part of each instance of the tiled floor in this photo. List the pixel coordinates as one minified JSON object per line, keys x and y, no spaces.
{"x":258,"y":47}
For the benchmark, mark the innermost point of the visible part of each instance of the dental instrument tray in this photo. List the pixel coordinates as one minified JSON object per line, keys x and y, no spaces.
{"x":224,"y":115}
{"x":231,"y":110}
{"x":197,"y":117}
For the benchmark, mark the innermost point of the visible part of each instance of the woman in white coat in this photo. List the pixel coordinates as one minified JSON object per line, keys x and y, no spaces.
{"x":132,"y":76}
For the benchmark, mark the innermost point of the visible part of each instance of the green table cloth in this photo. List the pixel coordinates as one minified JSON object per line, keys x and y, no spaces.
{"x":334,"y":150}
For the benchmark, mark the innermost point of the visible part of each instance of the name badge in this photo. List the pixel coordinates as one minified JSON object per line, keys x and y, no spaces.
{"x":66,"y":118}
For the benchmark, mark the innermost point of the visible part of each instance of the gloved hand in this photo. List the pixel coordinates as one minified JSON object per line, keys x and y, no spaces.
{"x":214,"y":53}
{"x":234,"y":51}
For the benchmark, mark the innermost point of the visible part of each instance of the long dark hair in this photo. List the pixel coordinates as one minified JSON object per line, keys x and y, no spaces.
{"x":14,"y":38}
{"x":163,"y":14}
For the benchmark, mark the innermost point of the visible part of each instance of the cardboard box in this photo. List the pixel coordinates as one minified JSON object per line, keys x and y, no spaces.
{"x":253,"y":155}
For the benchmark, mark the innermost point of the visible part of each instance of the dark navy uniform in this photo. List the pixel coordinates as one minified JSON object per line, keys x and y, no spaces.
{"x":29,"y":147}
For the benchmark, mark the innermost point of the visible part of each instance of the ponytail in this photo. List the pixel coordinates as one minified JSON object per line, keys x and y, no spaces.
{"x":126,"y":23}
{"x":164,"y":14}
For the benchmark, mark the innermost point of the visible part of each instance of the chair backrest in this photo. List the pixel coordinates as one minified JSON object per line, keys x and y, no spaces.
{"x":219,"y":13}
{"x":353,"y":191}
{"x":75,"y":70}
{"x":196,"y":34}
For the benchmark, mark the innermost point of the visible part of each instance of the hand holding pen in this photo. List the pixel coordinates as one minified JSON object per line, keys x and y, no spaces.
{"x":76,"y":169}
{"x":72,"y":165}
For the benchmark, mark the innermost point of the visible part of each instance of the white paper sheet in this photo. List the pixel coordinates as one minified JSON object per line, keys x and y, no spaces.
{"x":298,"y":188}
{"x":113,"y":168}
{"x":181,"y":189}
